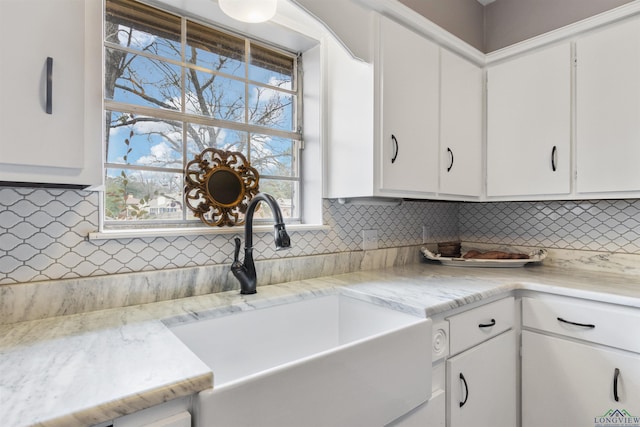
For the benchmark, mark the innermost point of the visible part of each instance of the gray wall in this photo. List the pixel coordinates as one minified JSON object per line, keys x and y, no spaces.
{"x":505,"y":22}
{"x":511,"y":21}
{"x":464,"y":18}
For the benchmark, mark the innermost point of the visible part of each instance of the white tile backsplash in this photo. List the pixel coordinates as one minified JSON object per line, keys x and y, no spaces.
{"x":591,"y":225}
{"x":43,"y":236}
{"x":43,"y":233}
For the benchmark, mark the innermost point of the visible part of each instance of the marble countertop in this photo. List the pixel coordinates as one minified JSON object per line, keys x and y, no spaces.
{"x":87,"y":368}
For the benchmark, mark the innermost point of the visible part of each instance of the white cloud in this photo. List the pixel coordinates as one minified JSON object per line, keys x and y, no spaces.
{"x":138,"y":38}
{"x":159,"y":153}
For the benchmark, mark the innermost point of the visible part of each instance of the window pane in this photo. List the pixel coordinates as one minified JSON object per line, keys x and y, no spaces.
{"x":273,"y":156}
{"x":284,"y":192}
{"x":272,"y":68}
{"x":140,"y":27}
{"x":270,"y":108}
{"x":159,"y":91}
{"x":142,"y":140}
{"x":214,"y":96}
{"x":142,"y":81}
{"x":143,"y":195}
{"x":215,"y":50}
{"x":201,"y":137}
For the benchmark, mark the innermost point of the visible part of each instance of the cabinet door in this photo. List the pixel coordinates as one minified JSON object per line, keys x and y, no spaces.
{"x":529,"y":124}
{"x":51,"y":142}
{"x":608,"y":109}
{"x":565,"y":383}
{"x":460,"y":126}
{"x":406,"y":73}
{"x":481,"y":384}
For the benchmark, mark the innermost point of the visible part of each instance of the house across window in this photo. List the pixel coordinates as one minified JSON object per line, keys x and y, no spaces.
{"x":174,"y":87}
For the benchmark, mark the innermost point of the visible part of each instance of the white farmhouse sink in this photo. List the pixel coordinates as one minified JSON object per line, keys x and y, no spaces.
{"x":331,"y":360}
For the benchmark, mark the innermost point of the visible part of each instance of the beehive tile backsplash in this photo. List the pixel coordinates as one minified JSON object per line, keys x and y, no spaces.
{"x":594,"y":225}
{"x":43,"y":236}
{"x":43,"y":233}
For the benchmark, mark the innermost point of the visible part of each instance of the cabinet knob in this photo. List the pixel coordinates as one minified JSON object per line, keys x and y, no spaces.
{"x":554,"y":158}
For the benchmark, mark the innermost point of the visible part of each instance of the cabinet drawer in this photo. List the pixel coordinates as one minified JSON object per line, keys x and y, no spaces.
{"x":479,"y":324}
{"x":595,"y":322}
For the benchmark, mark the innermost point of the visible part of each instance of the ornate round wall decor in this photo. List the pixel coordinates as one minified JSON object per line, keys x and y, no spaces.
{"x":219,"y":185}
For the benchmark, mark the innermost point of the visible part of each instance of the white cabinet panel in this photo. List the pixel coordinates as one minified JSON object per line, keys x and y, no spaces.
{"x":608,"y":109}
{"x":461,"y":107}
{"x":429,"y":414}
{"x":589,"y":321}
{"x":63,"y":147}
{"x":565,"y":383}
{"x":481,"y":384}
{"x":529,"y":124}
{"x":349,"y":122}
{"x":407,"y":69}
{"x":479,"y":324}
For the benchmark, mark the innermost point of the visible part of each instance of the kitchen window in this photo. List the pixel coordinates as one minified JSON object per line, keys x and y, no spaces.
{"x":175,"y":86}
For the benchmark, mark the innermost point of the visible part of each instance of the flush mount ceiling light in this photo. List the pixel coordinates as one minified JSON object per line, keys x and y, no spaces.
{"x":249,"y":10}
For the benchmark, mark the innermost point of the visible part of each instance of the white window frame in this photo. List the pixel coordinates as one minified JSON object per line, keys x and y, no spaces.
{"x":298,"y":31}
{"x":294,"y":135}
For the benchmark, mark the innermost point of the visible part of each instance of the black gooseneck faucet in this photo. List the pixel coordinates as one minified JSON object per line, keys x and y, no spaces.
{"x":245,"y":271}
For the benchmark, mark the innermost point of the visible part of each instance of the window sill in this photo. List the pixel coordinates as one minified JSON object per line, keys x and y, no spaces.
{"x":195,"y":231}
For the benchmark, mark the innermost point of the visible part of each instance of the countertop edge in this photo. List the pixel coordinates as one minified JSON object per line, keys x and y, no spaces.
{"x":133,"y":403}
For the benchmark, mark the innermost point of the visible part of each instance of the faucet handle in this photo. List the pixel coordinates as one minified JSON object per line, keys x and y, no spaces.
{"x":236,"y":252}
{"x":282,"y":238}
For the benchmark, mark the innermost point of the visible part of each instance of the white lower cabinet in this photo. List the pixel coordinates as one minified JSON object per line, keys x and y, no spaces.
{"x":481,"y":384}
{"x":481,"y":375}
{"x":580,"y":363}
{"x":567,"y":383}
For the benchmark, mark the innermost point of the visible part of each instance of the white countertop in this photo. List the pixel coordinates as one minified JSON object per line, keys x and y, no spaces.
{"x":88,"y":368}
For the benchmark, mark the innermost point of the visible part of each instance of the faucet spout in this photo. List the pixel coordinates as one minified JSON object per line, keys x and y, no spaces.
{"x":245,"y":271}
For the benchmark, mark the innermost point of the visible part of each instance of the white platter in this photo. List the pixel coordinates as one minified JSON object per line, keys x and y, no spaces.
{"x":536,"y":256}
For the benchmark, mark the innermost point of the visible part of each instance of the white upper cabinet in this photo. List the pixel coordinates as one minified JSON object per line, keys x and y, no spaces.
{"x":461,"y":105}
{"x":529,"y":124}
{"x":50,"y":109}
{"x":407,"y":103}
{"x":608,"y":109}
{"x":558,"y":117}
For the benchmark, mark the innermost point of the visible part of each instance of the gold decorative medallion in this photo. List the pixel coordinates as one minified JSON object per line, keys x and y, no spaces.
{"x":219,"y":185}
